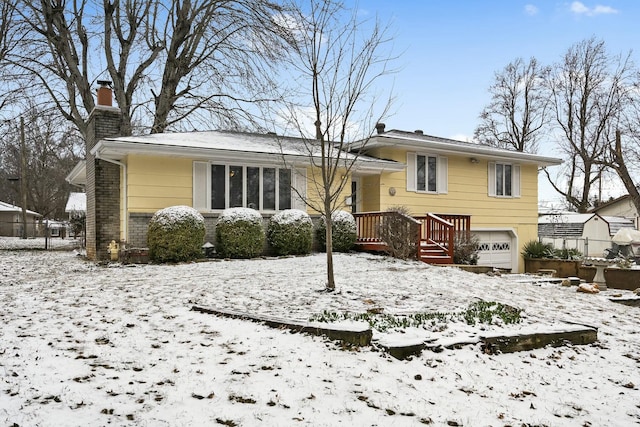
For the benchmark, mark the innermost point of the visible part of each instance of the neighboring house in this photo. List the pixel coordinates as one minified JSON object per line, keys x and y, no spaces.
{"x":129,"y":178}
{"x":622,"y":206}
{"x":590,"y":233}
{"x":76,"y":204}
{"x":11,"y":221}
{"x":53,"y":228}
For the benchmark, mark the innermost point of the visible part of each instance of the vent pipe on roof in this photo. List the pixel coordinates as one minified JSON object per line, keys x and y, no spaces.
{"x":105,"y":94}
{"x":380,"y":127}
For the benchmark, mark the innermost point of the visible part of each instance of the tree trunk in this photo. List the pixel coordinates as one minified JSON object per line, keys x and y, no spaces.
{"x":23,"y":178}
{"x":331,"y":282}
{"x":621,"y":168}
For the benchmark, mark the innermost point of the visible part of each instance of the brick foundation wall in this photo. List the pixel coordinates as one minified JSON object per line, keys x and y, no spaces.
{"x":103,"y":185}
{"x":139,"y":223}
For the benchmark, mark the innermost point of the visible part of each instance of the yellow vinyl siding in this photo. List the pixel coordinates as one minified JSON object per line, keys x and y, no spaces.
{"x":315,"y":190}
{"x":467,"y":195}
{"x":156,"y":182}
{"x":369,"y":193}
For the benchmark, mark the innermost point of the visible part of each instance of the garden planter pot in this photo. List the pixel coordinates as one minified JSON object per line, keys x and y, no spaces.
{"x":563,"y":267}
{"x":622,"y":278}
{"x":617,"y":278}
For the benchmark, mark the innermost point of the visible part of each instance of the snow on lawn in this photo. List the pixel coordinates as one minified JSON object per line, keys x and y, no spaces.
{"x":85,"y":345}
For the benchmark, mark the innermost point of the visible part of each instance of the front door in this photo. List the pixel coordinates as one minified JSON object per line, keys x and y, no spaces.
{"x":355,"y":194}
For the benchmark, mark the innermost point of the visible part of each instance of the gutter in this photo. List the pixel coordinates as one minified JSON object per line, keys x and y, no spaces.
{"x":125,"y":223}
{"x":460,"y":148}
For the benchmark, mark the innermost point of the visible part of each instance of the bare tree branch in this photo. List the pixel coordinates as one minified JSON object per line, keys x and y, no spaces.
{"x":518,"y":110}
{"x":588,"y":90}
{"x":336,"y":66}
{"x":181,"y":51}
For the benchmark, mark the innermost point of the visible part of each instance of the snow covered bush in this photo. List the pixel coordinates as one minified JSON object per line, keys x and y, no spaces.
{"x":290,"y":232}
{"x":175,"y":234}
{"x":399,"y":232}
{"x":343,"y":231}
{"x":239,"y":233}
{"x":465,"y":248}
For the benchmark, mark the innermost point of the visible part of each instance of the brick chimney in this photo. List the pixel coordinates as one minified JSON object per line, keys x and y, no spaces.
{"x":105,"y":95}
{"x":103,"y":178}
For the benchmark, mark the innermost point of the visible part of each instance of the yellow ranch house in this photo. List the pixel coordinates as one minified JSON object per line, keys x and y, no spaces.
{"x":446,"y":185}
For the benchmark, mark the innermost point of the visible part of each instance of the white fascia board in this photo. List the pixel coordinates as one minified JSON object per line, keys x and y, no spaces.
{"x":480,"y":151}
{"x":113,"y":150}
{"x":77,"y":176}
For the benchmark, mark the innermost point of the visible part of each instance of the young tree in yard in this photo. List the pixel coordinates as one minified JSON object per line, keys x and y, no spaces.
{"x":589,"y":91}
{"x":518,"y":109}
{"x":173,"y":64}
{"x":338,"y":60}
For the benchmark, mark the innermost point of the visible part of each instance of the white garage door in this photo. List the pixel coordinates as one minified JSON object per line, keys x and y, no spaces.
{"x":496,"y":249}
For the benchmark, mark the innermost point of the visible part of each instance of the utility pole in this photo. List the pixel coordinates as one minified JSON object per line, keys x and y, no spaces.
{"x":23,"y":178}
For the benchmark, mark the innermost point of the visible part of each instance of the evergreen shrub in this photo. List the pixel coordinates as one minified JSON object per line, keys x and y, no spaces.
{"x":290,"y":232}
{"x":239,"y":233}
{"x":343,"y":231}
{"x":175,"y":234}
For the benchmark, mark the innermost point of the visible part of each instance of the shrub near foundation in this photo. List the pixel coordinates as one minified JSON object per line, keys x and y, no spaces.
{"x":239,"y":233}
{"x":175,"y":234}
{"x":290,"y":232}
{"x":343,"y":232}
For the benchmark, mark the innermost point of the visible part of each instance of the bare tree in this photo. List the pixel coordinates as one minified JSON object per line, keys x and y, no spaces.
{"x":589,"y":91}
{"x":8,"y":41}
{"x":624,"y":162}
{"x":338,"y":60}
{"x":6,"y":18}
{"x":52,"y":148}
{"x":178,"y":63}
{"x":623,"y":155}
{"x":518,"y":108}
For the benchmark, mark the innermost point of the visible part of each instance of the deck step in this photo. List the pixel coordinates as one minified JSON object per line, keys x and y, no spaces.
{"x":444,"y":260}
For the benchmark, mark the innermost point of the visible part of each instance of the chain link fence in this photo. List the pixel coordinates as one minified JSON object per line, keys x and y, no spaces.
{"x":40,"y":236}
{"x":587,"y":246}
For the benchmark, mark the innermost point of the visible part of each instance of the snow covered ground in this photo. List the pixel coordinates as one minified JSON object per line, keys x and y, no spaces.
{"x":87,"y":345}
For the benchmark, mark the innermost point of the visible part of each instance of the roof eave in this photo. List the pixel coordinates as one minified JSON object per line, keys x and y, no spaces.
{"x":479,"y":151}
{"x":77,"y":176}
{"x":118,"y":150}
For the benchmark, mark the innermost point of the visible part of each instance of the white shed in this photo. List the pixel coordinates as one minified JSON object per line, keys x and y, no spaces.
{"x":590,"y":233}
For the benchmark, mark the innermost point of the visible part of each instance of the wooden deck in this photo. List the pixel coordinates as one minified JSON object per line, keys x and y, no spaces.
{"x":432,"y":234}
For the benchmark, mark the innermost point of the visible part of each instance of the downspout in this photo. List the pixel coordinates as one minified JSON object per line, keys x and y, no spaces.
{"x":125,"y":223}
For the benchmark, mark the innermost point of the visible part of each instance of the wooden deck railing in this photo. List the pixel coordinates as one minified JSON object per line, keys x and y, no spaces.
{"x":430,"y":230}
{"x":372,"y":226}
{"x":438,"y":231}
{"x":461,"y":223}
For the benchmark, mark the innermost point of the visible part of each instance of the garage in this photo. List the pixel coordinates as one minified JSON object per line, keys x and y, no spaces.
{"x":497,"y":248}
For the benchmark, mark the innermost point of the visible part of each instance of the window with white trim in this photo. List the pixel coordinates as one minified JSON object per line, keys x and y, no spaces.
{"x":504,"y":180}
{"x":220,"y":186}
{"x":427,"y":173}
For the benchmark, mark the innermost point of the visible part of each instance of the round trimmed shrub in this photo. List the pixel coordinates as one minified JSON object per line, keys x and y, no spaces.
{"x":239,"y":233}
{"x":290,"y":232}
{"x":175,"y":234}
{"x":343,"y":231}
